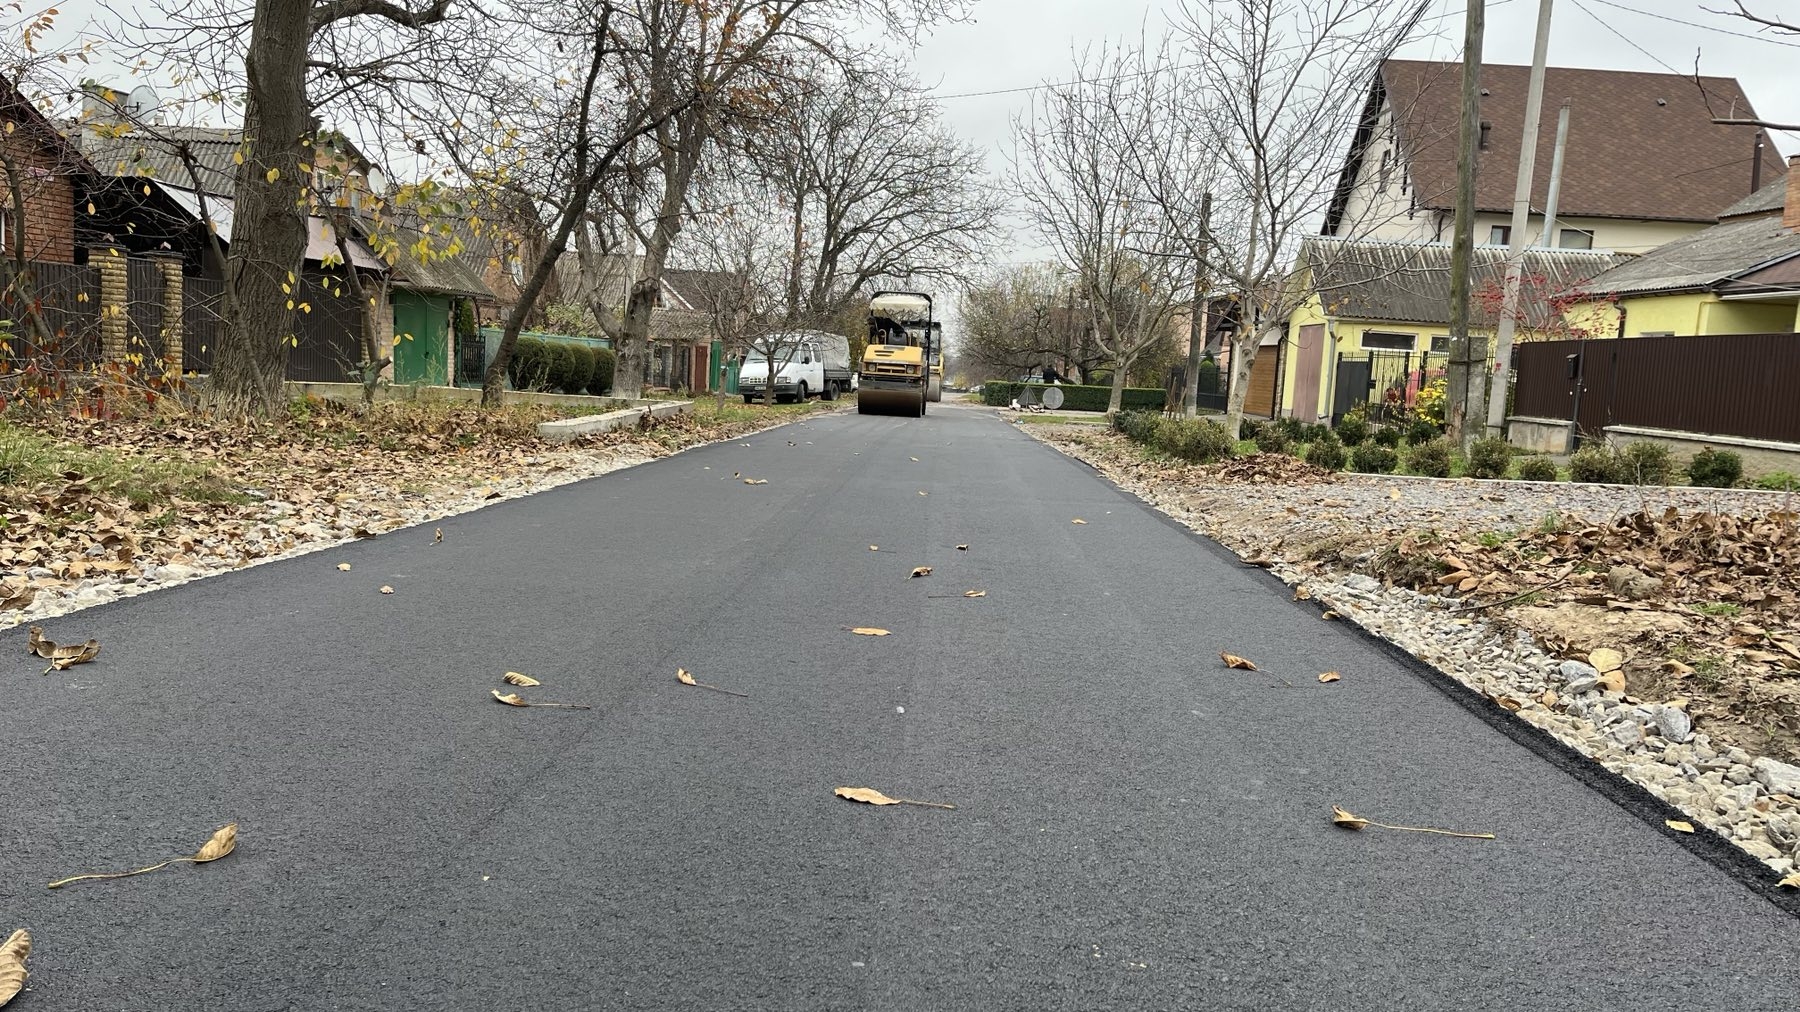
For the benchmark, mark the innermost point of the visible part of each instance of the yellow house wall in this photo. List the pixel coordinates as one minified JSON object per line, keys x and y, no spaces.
{"x":1745,"y":317}
{"x":1349,"y":339}
{"x":1693,"y":313}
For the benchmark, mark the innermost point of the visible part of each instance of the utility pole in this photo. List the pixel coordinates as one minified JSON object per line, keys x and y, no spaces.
{"x":1547,"y":237}
{"x":1190,"y":396}
{"x":1501,"y":369}
{"x":1465,"y":380}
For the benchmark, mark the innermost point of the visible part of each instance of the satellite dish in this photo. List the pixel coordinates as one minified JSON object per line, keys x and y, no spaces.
{"x":1025,"y":393}
{"x":141,"y":102}
{"x":1053,"y":397}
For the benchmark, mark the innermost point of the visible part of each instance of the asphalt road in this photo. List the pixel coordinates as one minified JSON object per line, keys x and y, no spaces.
{"x":1135,"y":828}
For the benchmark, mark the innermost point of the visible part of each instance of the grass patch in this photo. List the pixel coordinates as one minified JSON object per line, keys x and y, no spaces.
{"x":30,"y":459}
{"x":707,"y":410}
{"x":1087,"y":418}
{"x":1719,"y":608}
{"x":1494,"y":539}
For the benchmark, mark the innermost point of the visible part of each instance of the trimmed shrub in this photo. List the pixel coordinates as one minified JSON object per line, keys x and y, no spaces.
{"x":1326,"y":452}
{"x":1593,"y":464}
{"x":1209,"y":378}
{"x":1075,"y":397}
{"x":1199,"y":440}
{"x":1646,"y":462}
{"x":1388,"y":437}
{"x":529,"y":366}
{"x":1250,"y":428}
{"x":1489,"y":458}
{"x":1352,"y":429}
{"x":1431,"y":458}
{"x":1313,"y":432}
{"x":561,"y":358}
{"x":1422,"y":430}
{"x":1712,"y":468}
{"x":600,"y":383}
{"x":581,"y":368}
{"x":1139,"y":426}
{"x":1274,"y":439}
{"x":1291,"y":427}
{"x":1537,"y":469}
{"x":1373,"y":458}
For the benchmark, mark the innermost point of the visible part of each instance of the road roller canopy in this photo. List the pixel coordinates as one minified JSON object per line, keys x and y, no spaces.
{"x":901,"y":307}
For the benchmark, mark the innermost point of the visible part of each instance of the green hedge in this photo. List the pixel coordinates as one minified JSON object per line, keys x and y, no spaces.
{"x":601,"y":382}
{"x":1076,"y":398}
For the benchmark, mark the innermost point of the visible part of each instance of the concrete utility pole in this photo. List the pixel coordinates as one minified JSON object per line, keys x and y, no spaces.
{"x":1190,"y":395}
{"x":1556,"y":164}
{"x":1465,"y":381}
{"x":1501,"y":371}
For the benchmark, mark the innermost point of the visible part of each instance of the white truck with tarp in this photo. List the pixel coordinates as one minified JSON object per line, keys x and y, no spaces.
{"x":806,"y":362}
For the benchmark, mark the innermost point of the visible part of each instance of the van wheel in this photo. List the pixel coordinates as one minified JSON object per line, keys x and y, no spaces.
{"x":749,"y":398}
{"x":830,"y":392}
{"x":800,"y":393}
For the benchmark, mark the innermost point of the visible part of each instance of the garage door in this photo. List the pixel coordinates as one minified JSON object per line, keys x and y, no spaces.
{"x":1259,"y":400}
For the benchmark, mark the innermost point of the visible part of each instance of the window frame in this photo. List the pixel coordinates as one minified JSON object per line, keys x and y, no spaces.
{"x":1504,"y":232}
{"x":1561,"y":232}
{"x":1412,"y":340}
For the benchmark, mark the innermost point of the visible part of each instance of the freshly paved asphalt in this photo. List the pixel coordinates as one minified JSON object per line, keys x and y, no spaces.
{"x":1135,"y":828}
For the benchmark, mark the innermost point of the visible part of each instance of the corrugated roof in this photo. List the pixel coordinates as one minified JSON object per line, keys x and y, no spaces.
{"x":1770,"y":198}
{"x":213,"y":150}
{"x":1410,"y":282}
{"x":1640,"y":145}
{"x":455,"y":274}
{"x":1703,"y":259}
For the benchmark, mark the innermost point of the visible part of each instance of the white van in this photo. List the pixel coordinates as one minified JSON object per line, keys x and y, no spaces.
{"x":807,"y":362}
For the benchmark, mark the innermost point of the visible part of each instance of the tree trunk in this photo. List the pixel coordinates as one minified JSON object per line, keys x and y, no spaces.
{"x":1117,"y":399}
{"x":1243,"y":357}
{"x":1190,"y":394}
{"x":268,"y":247}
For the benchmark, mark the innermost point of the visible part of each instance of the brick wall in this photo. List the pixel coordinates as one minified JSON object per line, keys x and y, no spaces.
{"x":49,"y":194}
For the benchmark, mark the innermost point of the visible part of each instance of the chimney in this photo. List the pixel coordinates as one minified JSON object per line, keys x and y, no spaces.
{"x":1790,"y":209}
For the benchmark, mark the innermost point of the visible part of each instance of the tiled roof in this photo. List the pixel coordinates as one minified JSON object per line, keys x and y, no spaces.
{"x":1640,"y":145}
{"x":1703,"y":259}
{"x":1410,"y":282}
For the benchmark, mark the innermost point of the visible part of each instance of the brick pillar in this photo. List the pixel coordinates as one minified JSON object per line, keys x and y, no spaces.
{"x":173,"y":330}
{"x":114,"y":331}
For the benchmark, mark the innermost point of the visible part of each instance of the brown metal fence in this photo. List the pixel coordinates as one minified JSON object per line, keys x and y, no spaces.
{"x":143,"y":309}
{"x":202,"y":305}
{"x":1724,"y":385}
{"x":329,"y":332}
{"x":65,"y":299}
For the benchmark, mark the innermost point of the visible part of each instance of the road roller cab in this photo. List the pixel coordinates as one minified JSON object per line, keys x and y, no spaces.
{"x":895,"y":371}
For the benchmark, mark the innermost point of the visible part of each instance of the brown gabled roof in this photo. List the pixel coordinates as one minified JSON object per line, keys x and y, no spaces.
{"x":1640,"y":145}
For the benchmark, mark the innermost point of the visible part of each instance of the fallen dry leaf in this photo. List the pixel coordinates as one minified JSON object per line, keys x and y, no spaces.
{"x":871,"y":796}
{"x":682,"y":676}
{"x":1613,"y":681}
{"x":438,"y":537}
{"x":514,"y":678}
{"x":512,"y":699}
{"x":924,"y":493}
{"x":385,"y":589}
{"x":221,"y":843}
{"x":863,"y":630}
{"x":15,"y":595}
{"x":1393,"y":493}
{"x":1791,"y":882}
{"x":1506,"y":702}
{"x":1678,"y":703}
{"x":756,"y":481}
{"x":1078,"y":520}
{"x":874,"y":548}
{"x":1677,"y":668}
{"x":1348,"y":821}
{"x":1606,"y":659}
{"x":37,"y":644}
{"x":1329,"y":676}
{"x":1679,"y":825}
{"x":1234,"y":661}
{"x":343,"y":567}
{"x":1301,"y":593}
{"x":919,"y":571}
{"x":962,"y":548}
{"x":12,"y":964}
{"x":1328,"y":614}
{"x":913,"y":459}
{"x":1549,"y":698}
{"x":64,"y":657}
{"x":974,"y":593}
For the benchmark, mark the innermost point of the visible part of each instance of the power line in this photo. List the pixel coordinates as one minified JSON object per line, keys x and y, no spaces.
{"x":1699,"y":24}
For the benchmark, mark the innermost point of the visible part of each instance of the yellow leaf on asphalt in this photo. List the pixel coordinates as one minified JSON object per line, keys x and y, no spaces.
{"x":1234,"y":661}
{"x":65,"y":657}
{"x":1679,"y":825}
{"x":914,"y":459}
{"x":874,"y":548}
{"x":1791,"y":882}
{"x":510,"y":698}
{"x":12,"y":964}
{"x":514,"y":678}
{"x":1078,"y":520}
{"x":1606,"y":659}
{"x":438,"y":539}
{"x":919,"y":571}
{"x":385,"y":589}
{"x":1346,"y":820}
{"x":1328,"y":614}
{"x":962,"y":548}
{"x":1329,"y":676}
{"x":871,"y":796}
{"x":974,"y":593}
{"x":756,"y":481}
{"x":343,"y":567}
{"x":221,"y":843}
{"x":862,"y":630}
{"x":924,"y":493}
{"x":37,"y":644}
{"x":682,"y":676}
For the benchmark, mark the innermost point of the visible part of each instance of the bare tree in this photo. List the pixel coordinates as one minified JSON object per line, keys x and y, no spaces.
{"x":1079,"y":188}
{"x":1021,"y":318}
{"x":1775,"y":23}
{"x":1281,"y":85}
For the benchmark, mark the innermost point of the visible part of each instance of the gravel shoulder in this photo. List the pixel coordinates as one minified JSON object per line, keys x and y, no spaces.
{"x":1651,"y":630}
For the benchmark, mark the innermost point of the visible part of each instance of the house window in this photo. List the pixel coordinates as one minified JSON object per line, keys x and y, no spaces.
{"x":1575,"y":238}
{"x":1388,"y":342}
{"x":1499,"y":235}
{"x":1440,"y":344}
{"x":1486,"y":129}
{"x":1387,"y":168}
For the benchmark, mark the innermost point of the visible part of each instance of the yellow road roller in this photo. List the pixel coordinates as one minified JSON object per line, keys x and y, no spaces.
{"x":895,"y":373}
